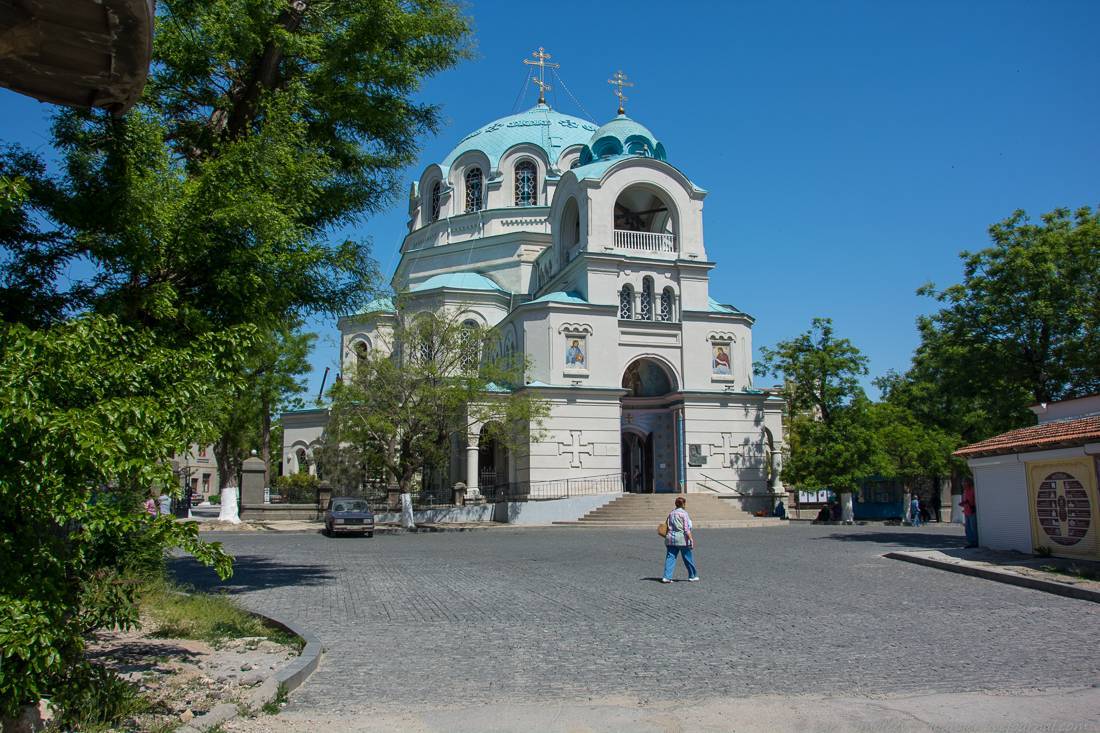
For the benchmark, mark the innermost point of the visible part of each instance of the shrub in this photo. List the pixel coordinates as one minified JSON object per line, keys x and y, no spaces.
{"x":298,"y":488}
{"x":92,"y":412}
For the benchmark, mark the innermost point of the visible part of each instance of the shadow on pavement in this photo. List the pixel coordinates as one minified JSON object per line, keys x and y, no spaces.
{"x":914,"y":538}
{"x":250,"y":572}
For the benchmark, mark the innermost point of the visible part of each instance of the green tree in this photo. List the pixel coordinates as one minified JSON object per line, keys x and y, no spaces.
{"x":87,"y":428}
{"x":831,"y":441}
{"x":911,"y":449}
{"x":820,"y":371}
{"x":273,"y":382}
{"x":203,"y":217}
{"x":1024,"y":325}
{"x":405,"y":400}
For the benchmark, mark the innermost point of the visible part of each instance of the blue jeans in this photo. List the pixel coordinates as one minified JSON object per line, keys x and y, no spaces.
{"x":670,"y":560}
{"x":970,"y":522}
{"x":914,"y":517}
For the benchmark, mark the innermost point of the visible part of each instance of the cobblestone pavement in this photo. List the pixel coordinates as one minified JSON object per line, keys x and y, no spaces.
{"x":526,"y":615}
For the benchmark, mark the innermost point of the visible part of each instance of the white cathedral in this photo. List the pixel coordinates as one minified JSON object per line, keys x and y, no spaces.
{"x":582,"y":245}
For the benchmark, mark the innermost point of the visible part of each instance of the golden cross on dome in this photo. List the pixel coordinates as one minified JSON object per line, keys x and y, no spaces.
{"x":618,"y":79}
{"x":541,"y":55}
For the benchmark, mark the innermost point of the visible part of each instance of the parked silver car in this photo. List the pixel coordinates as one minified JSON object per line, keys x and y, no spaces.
{"x":349,"y":515}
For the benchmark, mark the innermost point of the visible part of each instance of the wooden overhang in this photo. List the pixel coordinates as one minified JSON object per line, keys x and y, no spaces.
{"x":81,"y":53}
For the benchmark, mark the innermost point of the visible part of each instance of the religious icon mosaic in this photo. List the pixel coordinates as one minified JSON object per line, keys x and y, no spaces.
{"x":576,"y":352}
{"x":720,"y":359}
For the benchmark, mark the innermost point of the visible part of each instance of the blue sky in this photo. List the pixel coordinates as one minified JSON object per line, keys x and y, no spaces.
{"x":850,"y":150}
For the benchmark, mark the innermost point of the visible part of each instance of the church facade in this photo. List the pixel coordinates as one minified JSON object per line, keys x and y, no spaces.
{"x":583,"y":246}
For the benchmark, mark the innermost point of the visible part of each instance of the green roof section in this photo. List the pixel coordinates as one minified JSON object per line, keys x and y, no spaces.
{"x":458,"y":281}
{"x":716,"y":307}
{"x":552,"y":131}
{"x":559,"y":296}
{"x":378,"y":305}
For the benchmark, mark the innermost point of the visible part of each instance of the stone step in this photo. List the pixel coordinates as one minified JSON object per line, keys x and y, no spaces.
{"x":701,"y":524}
{"x":647,"y":510}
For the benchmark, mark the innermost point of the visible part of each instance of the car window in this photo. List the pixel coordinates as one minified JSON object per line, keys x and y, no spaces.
{"x":339,"y":508}
{"x":357,"y":506}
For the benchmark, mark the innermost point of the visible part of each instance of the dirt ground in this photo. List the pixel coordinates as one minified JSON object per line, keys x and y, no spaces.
{"x":183,"y":678}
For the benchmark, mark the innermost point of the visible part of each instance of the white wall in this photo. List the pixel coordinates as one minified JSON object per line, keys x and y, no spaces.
{"x":1000,"y":490}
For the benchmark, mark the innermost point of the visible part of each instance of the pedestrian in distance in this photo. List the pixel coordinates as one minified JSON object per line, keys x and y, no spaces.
{"x":150,"y":506}
{"x":679,"y":541}
{"x":914,"y":511}
{"x":970,"y":513}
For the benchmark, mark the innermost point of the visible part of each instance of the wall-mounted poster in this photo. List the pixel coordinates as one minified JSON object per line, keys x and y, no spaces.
{"x":720,"y":359}
{"x":576,"y":352}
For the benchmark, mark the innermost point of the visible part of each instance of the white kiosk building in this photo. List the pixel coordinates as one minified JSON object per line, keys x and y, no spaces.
{"x":582,"y":244}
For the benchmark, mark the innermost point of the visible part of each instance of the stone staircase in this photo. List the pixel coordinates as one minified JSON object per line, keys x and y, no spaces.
{"x":639,"y":511}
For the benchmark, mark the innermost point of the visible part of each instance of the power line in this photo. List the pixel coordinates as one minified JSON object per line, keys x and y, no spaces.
{"x":570,"y":93}
{"x":522,"y":90}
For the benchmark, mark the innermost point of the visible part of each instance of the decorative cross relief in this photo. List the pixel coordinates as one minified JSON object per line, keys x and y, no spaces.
{"x":727,"y":450}
{"x":574,"y":447}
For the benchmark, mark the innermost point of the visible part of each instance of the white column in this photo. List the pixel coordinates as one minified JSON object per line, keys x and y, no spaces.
{"x":471,"y":468}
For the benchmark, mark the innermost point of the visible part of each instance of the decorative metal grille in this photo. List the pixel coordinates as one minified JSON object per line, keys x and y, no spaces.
{"x":646,"y":308}
{"x":526,"y":184}
{"x":436,"y":192}
{"x":470,"y":345}
{"x":626,"y":302}
{"x":666,"y":305}
{"x":473,"y":189}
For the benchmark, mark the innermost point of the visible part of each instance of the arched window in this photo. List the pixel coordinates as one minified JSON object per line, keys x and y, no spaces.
{"x":473,"y":189}
{"x":665,"y":313}
{"x":470,"y":345}
{"x":645,"y":308}
{"x":626,"y":303}
{"x":437,"y":191}
{"x":527,"y":179}
{"x":362,"y":351}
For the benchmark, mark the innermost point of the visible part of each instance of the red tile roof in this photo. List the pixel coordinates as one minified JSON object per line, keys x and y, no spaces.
{"x":1056,"y":434}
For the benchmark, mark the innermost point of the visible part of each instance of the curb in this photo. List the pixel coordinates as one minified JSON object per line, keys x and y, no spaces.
{"x":286,"y":679}
{"x":1001,"y":576}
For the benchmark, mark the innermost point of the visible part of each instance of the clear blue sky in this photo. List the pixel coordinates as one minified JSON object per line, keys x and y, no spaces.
{"x":850,"y":150}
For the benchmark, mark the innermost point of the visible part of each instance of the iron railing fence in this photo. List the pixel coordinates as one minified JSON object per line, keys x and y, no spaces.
{"x":382,"y":497}
{"x":565,"y":488}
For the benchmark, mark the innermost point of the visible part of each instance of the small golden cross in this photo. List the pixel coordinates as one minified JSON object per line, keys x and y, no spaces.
{"x":619,"y":80}
{"x":542,"y":64}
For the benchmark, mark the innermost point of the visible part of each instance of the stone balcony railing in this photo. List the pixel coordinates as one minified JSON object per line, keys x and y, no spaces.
{"x":645,"y":241}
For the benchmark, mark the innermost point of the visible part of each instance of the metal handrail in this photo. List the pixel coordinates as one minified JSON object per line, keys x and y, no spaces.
{"x":722,"y":483}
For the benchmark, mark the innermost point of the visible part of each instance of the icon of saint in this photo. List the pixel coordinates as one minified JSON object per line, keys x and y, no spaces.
{"x":721,"y":361}
{"x":574,"y":356}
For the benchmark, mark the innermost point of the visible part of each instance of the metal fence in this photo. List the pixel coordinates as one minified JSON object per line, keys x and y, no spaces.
{"x":565,"y":488}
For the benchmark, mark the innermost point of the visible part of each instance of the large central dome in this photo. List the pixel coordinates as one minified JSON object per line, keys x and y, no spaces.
{"x":552,"y":131}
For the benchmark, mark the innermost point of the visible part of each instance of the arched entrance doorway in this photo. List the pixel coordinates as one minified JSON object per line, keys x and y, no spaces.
{"x":648,"y":428}
{"x":492,"y":461}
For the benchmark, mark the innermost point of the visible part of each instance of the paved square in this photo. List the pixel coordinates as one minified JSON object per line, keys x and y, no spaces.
{"x":531,"y":615}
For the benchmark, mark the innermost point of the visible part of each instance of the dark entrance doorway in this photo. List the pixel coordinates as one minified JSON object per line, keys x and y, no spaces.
{"x":648,"y":443}
{"x":637,"y":454}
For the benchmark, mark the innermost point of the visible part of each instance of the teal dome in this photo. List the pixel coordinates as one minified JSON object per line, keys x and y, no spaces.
{"x":552,"y":131}
{"x":622,"y":136}
{"x":458,"y":281}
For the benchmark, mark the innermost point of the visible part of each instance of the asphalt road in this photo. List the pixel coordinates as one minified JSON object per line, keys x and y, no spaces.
{"x":545,"y":619}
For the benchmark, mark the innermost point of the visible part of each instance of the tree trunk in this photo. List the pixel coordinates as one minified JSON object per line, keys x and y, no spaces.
{"x":265,"y":440}
{"x":956,"y":497}
{"x":228,"y":467}
{"x":846,"y":513}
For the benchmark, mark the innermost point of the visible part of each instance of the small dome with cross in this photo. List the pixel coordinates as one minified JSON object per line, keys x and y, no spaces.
{"x":622,"y":136}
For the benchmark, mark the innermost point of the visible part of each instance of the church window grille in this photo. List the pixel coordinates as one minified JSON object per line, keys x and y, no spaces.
{"x":437,"y":190}
{"x":645,"y":310}
{"x":526,"y":184}
{"x":626,"y":303}
{"x":470,"y":344}
{"x":666,"y":305}
{"x":473,"y":190}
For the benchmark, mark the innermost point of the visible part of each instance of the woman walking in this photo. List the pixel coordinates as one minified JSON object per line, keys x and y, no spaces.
{"x":679,"y":541}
